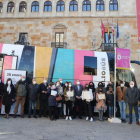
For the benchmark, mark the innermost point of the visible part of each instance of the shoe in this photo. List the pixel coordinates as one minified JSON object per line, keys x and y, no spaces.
{"x":130,"y":122}
{"x":74,"y":117}
{"x":80,"y":118}
{"x":87,"y":118}
{"x":91,"y":119}
{"x":29,"y":116}
{"x":124,"y":121}
{"x":22,"y":116}
{"x":14,"y":116}
{"x":35,"y":117}
{"x":39,"y":116}
{"x":67,"y":118}
{"x":137,"y":123}
{"x":64,"y":116}
{"x":5,"y":116}
{"x":70,"y":118}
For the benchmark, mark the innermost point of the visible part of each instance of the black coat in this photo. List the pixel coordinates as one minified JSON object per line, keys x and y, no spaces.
{"x":33,"y":90}
{"x":7,"y":98}
{"x":1,"y":88}
{"x":42,"y":87}
{"x":52,"y":101}
{"x":110,"y":99}
{"x":132,"y":96}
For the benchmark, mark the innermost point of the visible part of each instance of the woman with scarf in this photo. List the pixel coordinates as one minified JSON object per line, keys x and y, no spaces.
{"x":8,"y":96}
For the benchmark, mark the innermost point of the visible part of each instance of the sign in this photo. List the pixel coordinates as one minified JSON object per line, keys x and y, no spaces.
{"x":123,"y":58}
{"x":15,"y":75}
{"x":138,"y":18}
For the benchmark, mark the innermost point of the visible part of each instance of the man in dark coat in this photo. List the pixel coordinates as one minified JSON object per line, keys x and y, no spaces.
{"x":33,"y":90}
{"x":78,"y":98}
{"x":132,"y":96}
{"x":43,"y":97}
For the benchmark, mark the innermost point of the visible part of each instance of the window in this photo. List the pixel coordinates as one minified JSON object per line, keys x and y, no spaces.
{"x":1,"y":6}
{"x":59,"y":40}
{"x":47,"y":6}
{"x":35,"y":6}
{"x":108,"y":39}
{"x":90,"y":65}
{"x":99,"y":5}
{"x":86,"y":5}
{"x":22,"y":6}
{"x":73,"y":5}
{"x":113,"y":5}
{"x":10,"y":7}
{"x":60,"y":6}
{"x":22,"y":38}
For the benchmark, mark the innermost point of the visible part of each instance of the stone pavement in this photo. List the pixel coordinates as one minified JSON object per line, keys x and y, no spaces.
{"x":44,"y":129}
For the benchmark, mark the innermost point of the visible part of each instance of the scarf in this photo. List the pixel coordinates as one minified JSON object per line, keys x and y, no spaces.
{"x":9,"y":89}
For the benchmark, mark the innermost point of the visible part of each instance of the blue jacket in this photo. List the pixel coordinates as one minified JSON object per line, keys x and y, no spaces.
{"x":52,"y":101}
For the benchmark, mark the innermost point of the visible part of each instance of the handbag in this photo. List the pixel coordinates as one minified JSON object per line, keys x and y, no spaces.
{"x":59,"y":98}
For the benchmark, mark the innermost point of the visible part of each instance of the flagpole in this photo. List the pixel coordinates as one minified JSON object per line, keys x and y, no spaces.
{"x":115,"y":84}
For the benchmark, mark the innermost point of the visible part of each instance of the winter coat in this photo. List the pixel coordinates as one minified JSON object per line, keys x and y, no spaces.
{"x":43,"y":87}
{"x":52,"y":101}
{"x":21,"y":88}
{"x":110,"y":99}
{"x":132,"y":96}
{"x":1,"y":88}
{"x":33,"y":90}
{"x":121,"y":94}
{"x":7,"y":98}
{"x":66,"y":98}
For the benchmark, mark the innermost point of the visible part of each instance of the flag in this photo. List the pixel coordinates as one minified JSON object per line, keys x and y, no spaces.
{"x":103,"y":29}
{"x":108,"y":27}
{"x":117,"y":30}
{"x":113,"y":30}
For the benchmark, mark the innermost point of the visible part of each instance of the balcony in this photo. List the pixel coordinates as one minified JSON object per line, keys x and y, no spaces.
{"x":22,"y":43}
{"x":109,"y":46}
{"x":59,"y":45}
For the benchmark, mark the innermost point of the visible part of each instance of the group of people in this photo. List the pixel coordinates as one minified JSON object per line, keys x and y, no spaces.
{"x":65,"y":99}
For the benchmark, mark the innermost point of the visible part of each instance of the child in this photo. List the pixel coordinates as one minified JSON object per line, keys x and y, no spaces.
{"x":52,"y":101}
{"x":110,"y":101}
{"x":101,"y":106}
{"x":88,"y":108}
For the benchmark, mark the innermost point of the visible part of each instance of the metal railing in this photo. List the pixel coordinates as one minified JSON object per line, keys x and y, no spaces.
{"x":22,"y":43}
{"x":59,"y":45}
{"x":109,"y":46}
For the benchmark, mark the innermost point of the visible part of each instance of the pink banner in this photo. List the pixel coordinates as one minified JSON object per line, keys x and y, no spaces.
{"x":123,"y":58}
{"x":138,"y":18}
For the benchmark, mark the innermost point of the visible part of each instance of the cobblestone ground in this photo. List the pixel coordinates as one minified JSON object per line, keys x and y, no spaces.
{"x":44,"y":129}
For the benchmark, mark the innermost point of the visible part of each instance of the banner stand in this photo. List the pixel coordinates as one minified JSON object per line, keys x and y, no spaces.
{"x":115,"y":120}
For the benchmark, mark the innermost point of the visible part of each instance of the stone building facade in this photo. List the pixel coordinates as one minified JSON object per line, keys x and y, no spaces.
{"x":81,"y":29}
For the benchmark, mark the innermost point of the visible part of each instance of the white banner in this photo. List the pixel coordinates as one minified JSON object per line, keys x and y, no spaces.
{"x":15,"y":75}
{"x":103,"y":73}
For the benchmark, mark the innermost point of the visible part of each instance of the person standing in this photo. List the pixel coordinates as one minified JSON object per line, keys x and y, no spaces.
{"x":61,"y":82}
{"x":68,"y":101}
{"x":120,"y":92}
{"x":78,"y":98}
{"x":43,"y":98}
{"x":132,"y":96}
{"x":101,"y":106}
{"x":88,"y":109}
{"x":21,"y":88}
{"x":8,"y":96}
{"x":33,"y":90}
{"x":52,"y":100}
{"x":110,"y":101}
{"x":1,"y":88}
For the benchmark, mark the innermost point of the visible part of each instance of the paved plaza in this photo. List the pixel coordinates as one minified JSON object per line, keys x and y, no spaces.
{"x":44,"y":129}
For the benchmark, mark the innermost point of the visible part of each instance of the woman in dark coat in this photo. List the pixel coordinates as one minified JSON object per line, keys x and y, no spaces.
{"x":8,"y":96}
{"x":52,"y":100}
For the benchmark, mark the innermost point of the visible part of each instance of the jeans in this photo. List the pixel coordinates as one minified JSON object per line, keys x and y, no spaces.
{"x":136,"y":113}
{"x":111,"y":110}
{"x":123,"y":107}
{"x":69,"y":107}
{"x":34,"y":107}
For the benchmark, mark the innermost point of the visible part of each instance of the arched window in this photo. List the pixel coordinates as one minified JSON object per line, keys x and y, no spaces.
{"x":47,"y":6}
{"x":10,"y":7}
{"x":113,"y":5}
{"x":22,"y":6}
{"x":73,"y":5}
{"x":86,"y":5}
{"x":60,"y":6}
{"x":99,"y":5}
{"x":35,"y":6}
{"x":1,"y":6}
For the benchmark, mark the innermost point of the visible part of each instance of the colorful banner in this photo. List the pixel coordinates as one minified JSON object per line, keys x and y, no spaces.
{"x":123,"y":58}
{"x":138,"y":18}
{"x":15,"y":75}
